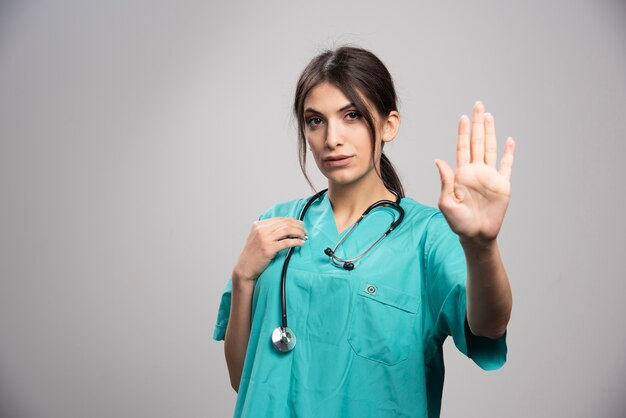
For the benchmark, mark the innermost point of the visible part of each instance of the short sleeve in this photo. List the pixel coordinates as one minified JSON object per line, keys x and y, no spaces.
{"x":446,"y":275}
{"x":223,"y":313}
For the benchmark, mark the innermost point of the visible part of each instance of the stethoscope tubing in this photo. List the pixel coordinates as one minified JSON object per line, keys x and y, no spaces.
{"x":283,"y":338}
{"x":347,"y":234}
{"x":283,"y":276}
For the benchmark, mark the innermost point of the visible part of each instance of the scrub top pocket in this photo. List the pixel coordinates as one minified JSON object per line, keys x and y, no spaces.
{"x":383,"y":323}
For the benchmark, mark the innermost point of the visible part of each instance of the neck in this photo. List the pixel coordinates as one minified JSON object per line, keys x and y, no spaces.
{"x":349,"y":201}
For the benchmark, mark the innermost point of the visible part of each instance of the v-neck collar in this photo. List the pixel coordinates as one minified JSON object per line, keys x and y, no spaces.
{"x":324,"y":232}
{"x":328,"y":220}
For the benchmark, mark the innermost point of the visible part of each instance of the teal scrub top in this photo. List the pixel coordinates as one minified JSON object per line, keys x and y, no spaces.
{"x":369,"y":341}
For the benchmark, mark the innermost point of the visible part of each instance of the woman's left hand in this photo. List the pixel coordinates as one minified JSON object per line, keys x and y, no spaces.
{"x":475,"y":198}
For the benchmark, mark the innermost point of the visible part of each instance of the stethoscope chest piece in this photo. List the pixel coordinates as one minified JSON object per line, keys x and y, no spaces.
{"x":284,"y":339}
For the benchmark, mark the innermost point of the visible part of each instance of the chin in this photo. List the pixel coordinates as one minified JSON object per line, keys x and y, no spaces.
{"x":345,"y":178}
{"x":341,"y":180}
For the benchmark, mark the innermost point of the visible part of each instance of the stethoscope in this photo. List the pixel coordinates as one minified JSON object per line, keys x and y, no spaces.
{"x":283,"y":338}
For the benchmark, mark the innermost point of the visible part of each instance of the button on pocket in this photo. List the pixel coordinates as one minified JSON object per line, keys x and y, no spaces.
{"x":382,"y":324}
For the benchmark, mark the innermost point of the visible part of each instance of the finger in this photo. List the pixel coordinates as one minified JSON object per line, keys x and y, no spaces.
{"x":477,"y":138}
{"x":288,"y":230}
{"x":463,"y":144}
{"x":288,"y":243}
{"x":447,"y":177}
{"x":506,"y":163}
{"x":491,"y":153}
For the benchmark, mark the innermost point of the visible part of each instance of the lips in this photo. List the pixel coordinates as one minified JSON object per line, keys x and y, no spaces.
{"x":336,"y":157}
{"x":338,"y":160}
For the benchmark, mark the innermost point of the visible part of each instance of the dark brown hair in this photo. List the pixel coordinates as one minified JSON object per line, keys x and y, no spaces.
{"x":353,"y":70}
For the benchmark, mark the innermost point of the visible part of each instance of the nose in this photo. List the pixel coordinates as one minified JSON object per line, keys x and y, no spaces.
{"x":333,"y":135}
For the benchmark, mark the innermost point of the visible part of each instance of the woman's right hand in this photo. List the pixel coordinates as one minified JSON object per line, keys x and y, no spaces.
{"x":266,"y":239}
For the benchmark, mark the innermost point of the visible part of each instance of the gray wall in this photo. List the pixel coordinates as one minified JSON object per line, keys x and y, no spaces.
{"x":139,"y":140}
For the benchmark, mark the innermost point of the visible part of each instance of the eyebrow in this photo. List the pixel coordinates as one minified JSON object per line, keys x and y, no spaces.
{"x":311,"y":110}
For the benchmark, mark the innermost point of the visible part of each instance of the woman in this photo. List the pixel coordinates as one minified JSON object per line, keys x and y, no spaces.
{"x":370,"y":314}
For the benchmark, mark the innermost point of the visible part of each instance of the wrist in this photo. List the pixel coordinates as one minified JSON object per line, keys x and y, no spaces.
{"x":242,"y":281}
{"x":477,"y":245}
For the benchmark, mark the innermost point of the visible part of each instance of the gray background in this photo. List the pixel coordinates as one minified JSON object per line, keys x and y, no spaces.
{"x":139,"y":140}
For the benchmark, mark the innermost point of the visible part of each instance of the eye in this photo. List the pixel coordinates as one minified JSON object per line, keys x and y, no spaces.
{"x":313,"y":122}
{"x":354,"y":115}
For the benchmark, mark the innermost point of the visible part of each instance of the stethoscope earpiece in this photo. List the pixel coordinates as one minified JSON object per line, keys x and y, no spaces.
{"x":346,"y":265}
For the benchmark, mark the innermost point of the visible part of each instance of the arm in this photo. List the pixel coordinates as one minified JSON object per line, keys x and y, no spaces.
{"x":489,"y":298}
{"x":474,"y":201}
{"x":267,"y":237}
{"x":238,"y":330}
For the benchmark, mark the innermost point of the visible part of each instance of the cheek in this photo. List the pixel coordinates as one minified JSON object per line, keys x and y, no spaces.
{"x":314,"y":149}
{"x":313,"y":142}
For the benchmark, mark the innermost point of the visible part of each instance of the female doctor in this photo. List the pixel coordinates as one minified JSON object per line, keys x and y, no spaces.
{"x":371,"y":292}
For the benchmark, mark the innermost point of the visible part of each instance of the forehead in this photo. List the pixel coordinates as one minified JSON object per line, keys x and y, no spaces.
{"x":325,"y":97}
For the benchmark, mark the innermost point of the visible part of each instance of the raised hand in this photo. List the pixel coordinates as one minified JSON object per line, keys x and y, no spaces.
{"x":475,"y":198}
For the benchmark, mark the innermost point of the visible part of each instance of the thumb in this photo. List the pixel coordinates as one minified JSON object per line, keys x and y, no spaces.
{"x":447,"y":177}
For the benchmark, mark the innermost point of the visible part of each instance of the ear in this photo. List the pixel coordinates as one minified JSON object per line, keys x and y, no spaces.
{"x":391,"y":126}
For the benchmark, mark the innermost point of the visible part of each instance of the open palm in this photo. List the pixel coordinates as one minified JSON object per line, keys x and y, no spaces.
{"x":475,"y":198}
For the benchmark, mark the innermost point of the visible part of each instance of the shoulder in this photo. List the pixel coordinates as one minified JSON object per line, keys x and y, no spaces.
{"x":427,"y":223}
{"x":418,"y":214}
{"x":289,"y":208}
